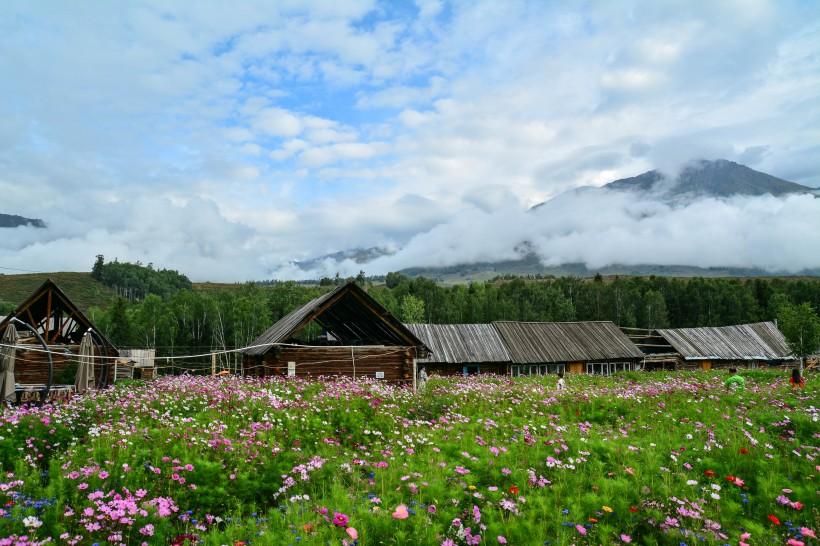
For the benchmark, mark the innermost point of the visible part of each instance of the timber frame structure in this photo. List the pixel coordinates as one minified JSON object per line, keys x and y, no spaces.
{"x":360,"y":339}
{"x":61,"y":324}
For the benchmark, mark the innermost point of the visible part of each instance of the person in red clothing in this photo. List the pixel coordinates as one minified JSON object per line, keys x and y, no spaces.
{"x":796,"y":380}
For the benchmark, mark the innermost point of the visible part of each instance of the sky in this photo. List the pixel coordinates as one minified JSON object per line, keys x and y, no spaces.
{"x":229,"y":139}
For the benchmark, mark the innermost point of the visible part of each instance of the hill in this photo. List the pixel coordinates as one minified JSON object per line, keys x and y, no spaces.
{"x":83,"y":290}
{"x":13,"y":221}
{"x":703,"y":178}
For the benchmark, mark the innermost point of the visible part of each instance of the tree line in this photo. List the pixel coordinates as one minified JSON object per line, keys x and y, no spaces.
{"x":187,"y":320}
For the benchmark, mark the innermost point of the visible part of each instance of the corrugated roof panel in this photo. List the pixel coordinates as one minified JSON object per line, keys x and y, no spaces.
{"x":757,"y":341}
{"x":461,"y":343}
{"x":537,"y":342}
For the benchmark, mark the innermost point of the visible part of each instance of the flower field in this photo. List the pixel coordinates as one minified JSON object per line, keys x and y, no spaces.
{"x":659,"y":458}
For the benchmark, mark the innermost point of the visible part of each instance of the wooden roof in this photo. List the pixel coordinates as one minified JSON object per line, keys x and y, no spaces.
{"x":545,"y":342}
{"x":349,"y":314}
{"x":55,"y":317}
{"x":461,"y":343}
{"x":758,"y":341}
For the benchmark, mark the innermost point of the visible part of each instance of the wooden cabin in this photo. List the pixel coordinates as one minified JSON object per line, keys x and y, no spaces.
{"x":352,"y":335}
{"x":754,"y":345}
{"x":462,"y":349}
{"x":542,"y":348}
{"x":62,"y":326}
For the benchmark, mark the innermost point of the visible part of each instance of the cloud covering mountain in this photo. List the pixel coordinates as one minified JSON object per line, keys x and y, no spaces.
{"x":227,"y":140}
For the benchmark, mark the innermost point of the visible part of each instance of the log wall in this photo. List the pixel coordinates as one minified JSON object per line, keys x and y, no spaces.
{"x":311,"y":362}
{"x":31,"y":366}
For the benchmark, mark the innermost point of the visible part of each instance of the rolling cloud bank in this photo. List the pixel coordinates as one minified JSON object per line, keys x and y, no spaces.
{"x":235,"y":142}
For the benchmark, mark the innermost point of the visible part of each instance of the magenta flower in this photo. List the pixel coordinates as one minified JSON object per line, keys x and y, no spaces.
{"x":581,"y":529}
{"x":626,"y":538}
{"x":340,"y":520}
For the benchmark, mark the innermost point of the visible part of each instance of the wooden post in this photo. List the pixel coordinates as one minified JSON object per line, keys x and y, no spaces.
{"x":415,"y":366}
{"x":213,"y":364}
{"x":353,"y":360}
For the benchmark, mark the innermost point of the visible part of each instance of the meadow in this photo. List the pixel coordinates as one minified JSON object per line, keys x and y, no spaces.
{"x":661,"y":458}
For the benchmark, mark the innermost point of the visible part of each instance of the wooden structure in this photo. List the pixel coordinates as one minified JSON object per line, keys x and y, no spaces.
{"x":739,"y":346}
{"x":61,"y":325}
{"x":541,"y":348}
{"x":359,"y":338}
{"x":141,"y":362}
{"x":462,"y":349}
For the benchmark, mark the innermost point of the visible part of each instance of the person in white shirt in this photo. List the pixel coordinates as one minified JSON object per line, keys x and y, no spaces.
{"x":422,"y":379}
{"x":561,"y":384}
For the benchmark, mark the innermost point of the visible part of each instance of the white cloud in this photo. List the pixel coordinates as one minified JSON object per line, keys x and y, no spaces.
{"x":281,"y":117}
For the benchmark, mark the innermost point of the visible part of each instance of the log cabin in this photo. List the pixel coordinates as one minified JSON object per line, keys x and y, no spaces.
{"x":344,"y":332}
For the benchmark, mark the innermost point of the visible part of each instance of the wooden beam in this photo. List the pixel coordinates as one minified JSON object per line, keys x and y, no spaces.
{"x":48,"y":315}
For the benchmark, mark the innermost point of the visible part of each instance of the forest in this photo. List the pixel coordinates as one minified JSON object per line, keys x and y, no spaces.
{"x":183,"y":320}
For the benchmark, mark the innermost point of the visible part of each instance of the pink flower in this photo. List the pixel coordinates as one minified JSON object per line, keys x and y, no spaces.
{"x":340,"y":520}
{"x":461,"y":470}
{"x":626,"y":538}
{"x":401,"y":512}
{"x":745,"y":536}
{"x":431,"y":509}
{"x":581,"y":529}
{"x":148,"y":530}
{"x":103,"y":474}
{"x":352,"y":533}
{"x":795,"y":542}
{"x":506,"y":471}
{"x":806,"y":532}
{"x":448,"y":542}
{"x":502,"y":539}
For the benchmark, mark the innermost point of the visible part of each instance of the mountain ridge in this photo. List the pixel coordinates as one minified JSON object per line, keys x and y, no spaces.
{"x":13,"y":221}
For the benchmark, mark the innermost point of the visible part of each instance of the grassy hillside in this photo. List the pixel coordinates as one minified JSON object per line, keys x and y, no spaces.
{"x":83,"y":290}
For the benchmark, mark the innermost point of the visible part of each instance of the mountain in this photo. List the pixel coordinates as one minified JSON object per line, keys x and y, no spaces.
{"x":12,"y":221}
{"x":718,"y":178}
{"x":357,"y":255}
{"x":704,"y":178}
{"x":532,"y":266}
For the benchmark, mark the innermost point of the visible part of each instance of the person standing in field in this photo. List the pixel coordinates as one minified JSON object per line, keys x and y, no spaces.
{"x":422,"y":381}
{"x":561,"y":384}
{"x":736,"y":381}
{"x":797,"y":380}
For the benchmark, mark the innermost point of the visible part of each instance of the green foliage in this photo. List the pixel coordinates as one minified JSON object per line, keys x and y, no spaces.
{"x":801,"y":327}
{"x":136,"y":282}
{"x":263,"y":462}
{"x":412,"y":309}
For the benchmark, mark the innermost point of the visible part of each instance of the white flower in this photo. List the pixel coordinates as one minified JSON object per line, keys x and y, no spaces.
{"x":716,"y":487}
{"x":692,"y":482}
{"x":32,"y":522}
{"x":715,"y":496}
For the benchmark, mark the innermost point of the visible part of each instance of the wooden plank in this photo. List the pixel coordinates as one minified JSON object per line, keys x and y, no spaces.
{"x":48,"y":315}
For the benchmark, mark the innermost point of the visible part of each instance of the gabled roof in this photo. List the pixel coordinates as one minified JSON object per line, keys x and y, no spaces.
{"x":348,"y":313}
{"x":544,"y":342}
{"x":461,"y":343}
{"x":55,"y":316}
{"x":758,"y":341}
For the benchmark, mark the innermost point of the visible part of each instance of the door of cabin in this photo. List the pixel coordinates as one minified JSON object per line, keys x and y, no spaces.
{"x":576,"y":367}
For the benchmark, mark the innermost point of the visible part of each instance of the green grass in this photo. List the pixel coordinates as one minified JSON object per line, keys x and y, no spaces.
{"x":83,"y":290}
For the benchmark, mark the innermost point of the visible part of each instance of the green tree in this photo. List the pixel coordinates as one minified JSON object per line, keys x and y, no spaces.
{"x":119,"y":323}
{"x":97,"y":269}
{"x":655,"y":307}
{"x":801,"y":326}
{"x":412,"y":309}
